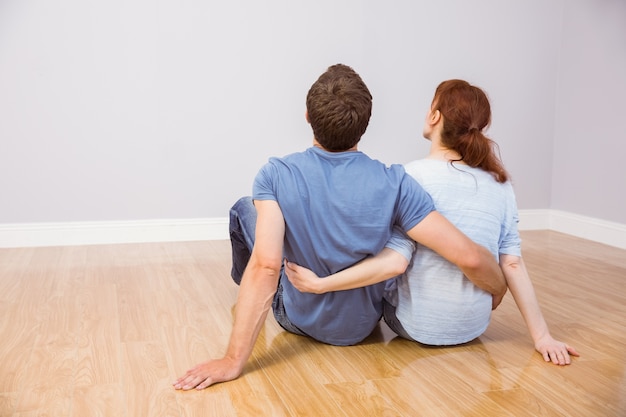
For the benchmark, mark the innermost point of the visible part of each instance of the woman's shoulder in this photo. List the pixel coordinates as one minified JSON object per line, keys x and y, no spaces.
{"x":418,"y":162}
{"x":420,"y":166}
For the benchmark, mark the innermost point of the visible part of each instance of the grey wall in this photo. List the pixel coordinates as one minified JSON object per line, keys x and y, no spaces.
{"x":143,"y":109}
{"x":590,"y":139}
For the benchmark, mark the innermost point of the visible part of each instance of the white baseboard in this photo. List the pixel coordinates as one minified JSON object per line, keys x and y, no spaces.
{"x":94,"y":233}
{"x":602,"y":231}
{"x":534,"y":220}
{"x":112,"y":232}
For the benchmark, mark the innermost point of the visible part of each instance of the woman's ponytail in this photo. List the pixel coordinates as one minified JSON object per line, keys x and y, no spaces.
{"x":466,"y":112}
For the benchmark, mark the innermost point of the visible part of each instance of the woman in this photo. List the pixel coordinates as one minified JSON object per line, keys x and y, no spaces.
{"x":433,"y":302}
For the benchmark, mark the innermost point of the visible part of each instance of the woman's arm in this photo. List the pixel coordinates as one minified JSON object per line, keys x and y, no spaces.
{"x":521,"y":287}
{"x":387,"y":264}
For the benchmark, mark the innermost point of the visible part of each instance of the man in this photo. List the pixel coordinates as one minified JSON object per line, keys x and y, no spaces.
{"x":327,"y":208}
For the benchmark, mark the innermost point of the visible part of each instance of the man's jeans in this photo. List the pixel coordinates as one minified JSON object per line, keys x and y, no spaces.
{"x":241,"y":227}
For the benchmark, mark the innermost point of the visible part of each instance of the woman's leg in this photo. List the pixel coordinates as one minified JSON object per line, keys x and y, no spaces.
{"x":389,"y":314}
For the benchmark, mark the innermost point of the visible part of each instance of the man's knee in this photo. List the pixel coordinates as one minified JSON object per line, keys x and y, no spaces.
{"x":243,"y":219}
{"x":244,"y":206}
{"x":241,"y":230}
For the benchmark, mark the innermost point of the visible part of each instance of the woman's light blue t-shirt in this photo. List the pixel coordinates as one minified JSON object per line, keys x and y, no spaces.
{"x":436,"y":303}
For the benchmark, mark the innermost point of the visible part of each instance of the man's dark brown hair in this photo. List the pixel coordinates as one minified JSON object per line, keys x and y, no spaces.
{"x":339,"y":106}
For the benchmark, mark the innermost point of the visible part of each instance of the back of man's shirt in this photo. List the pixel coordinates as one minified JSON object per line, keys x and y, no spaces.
{"x":338,"y":208}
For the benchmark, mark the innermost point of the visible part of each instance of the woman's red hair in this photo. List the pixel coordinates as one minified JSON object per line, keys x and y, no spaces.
{"x":466,"y":112}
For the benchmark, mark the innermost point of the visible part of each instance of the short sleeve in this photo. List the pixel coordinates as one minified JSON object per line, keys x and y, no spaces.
{"x":510,"y":241}
{"x":401,"y":243}
{"x":263,"y":188}
{"x":414,"y":203}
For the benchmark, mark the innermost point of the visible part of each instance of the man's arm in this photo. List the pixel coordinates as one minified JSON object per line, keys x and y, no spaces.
{"x":435,"y":232}
{"x":476,"y":262}
{"x":258,"y":286}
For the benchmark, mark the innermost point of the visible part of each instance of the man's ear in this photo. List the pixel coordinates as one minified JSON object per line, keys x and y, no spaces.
{"x":306,"y":116}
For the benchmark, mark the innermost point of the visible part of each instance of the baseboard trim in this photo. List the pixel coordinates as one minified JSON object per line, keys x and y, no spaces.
{"x":534,"y":220}
{"x":597,"y":230}
{"x":114,"y":232}
{"x":111,"y":232}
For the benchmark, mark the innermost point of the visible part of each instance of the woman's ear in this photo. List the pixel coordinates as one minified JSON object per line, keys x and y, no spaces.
{"x":435,"y":117}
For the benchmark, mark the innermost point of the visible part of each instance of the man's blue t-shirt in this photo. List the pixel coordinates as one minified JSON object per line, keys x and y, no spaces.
{"x":339,"y":208}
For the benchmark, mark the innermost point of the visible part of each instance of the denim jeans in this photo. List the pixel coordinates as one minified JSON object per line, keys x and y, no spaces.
{"x":389,"y":314}
{"x":241,"y":228}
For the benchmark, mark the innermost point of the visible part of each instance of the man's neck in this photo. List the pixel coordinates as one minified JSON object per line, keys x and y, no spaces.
{"x":318,"y":145}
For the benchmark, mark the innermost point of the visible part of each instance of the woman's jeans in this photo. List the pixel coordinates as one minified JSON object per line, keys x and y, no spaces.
{"x":241,"y":227}
{"x":389,"y":314}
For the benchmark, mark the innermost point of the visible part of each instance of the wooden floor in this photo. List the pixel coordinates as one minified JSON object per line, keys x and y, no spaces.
{"x":104,"y":330}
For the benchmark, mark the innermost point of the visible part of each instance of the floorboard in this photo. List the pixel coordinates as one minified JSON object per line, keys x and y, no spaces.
{"x":103,"y":330}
